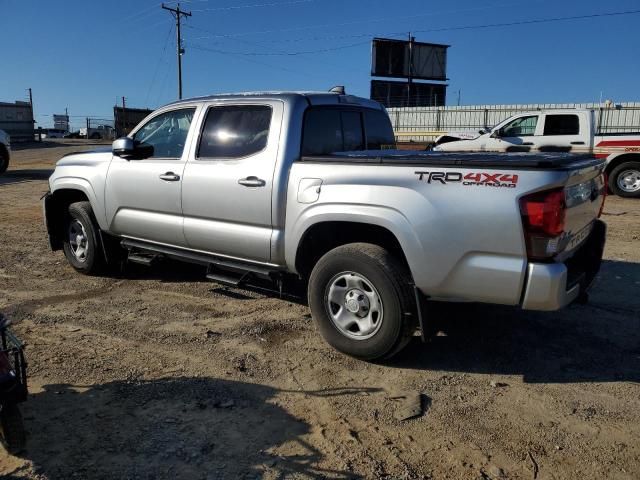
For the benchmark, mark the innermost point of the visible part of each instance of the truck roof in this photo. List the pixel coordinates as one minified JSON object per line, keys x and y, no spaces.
{"x":312,"y":97}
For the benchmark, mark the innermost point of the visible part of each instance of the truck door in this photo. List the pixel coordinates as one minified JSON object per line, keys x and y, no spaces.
{"x":142,"y":197}
{"x":227,"y":188}
{"x":562,"y":133}
{"x":518,"y":135}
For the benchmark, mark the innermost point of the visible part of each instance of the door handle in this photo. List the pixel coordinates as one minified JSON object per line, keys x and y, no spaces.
{"x":169,"y":177}
{"x":252,"y":182}
{"x":527,"y":143}
{"x":577,"y":143}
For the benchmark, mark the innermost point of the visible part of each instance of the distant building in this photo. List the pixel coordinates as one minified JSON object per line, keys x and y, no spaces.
{"x":61,"y":122}
{"x":125,"y":119}
{"x":17,"y":120}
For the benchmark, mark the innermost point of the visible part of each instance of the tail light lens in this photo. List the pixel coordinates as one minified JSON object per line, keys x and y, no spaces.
{"x":543,"y":219}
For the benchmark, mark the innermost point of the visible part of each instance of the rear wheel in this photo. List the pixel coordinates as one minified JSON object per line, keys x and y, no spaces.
{"x":624,"y":180}
{"x":359,"y":297}
{"x":82,"y":245}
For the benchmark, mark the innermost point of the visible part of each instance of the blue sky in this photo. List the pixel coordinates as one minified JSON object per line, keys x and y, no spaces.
{"x":88,"y":53}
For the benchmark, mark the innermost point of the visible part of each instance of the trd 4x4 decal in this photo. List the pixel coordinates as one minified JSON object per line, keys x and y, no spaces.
{"x":503,"y":180}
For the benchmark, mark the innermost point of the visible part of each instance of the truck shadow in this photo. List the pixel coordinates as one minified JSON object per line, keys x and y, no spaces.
{"x":20,"y":176}
{"x":598,"y":342}
{"x":173,"y":427}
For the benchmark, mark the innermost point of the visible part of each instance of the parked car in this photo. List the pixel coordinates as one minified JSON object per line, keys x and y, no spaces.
{"x":287,"y":187}
{"x":5,"y":151}
{"x":97,"y":133}
{"x":566,"y":131}
{"x":51,"y":133}
{"x":75,"y":134}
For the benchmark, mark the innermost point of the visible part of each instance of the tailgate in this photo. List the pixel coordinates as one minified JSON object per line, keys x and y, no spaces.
{"x":584,"y":197}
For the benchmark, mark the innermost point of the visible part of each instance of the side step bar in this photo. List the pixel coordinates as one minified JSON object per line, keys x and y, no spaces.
{"x":222,"y":270}
{"x":142,"y":259}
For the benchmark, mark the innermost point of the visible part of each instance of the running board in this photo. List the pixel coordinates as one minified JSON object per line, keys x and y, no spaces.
{"x":142,"y":259}
{"x":138,"y":249}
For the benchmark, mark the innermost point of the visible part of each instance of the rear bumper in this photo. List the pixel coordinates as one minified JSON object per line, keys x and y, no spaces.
{"x":551,"y":286}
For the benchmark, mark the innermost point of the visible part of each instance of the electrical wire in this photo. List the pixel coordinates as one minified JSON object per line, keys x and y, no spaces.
{"x":464,"y":27}
{"x":279,"y":54}
{"x":155,"y":73}
{"x":255,"y":5}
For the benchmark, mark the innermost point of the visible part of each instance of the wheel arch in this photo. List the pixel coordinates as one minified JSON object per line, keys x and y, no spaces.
{"x":330,"y":231}
{"x":619,"y":159}
{"x":55,"y":206}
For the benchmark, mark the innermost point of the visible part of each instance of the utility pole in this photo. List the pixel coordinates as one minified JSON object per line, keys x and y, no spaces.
{"x":124,"y":120}
{"x":176,"y":12}
{"x":33,"y":117}
{"x":410,"y":80}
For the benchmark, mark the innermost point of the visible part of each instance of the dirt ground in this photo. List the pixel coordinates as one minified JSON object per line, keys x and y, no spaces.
{"x":161,"y":374}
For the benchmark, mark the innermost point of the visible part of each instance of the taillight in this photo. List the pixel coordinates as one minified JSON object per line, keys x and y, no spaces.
{"x":543,"y":217}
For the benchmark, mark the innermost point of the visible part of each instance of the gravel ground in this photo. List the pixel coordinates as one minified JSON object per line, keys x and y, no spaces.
{"x":161,"y":374}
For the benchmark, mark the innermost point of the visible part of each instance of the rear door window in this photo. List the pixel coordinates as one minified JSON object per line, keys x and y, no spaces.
{"x":561,"y":125}
{"x":322,"y":132}
{"x":234,"y":131}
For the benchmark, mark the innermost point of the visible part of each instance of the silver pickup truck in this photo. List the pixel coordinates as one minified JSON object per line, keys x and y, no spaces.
{"x":300,"y":187}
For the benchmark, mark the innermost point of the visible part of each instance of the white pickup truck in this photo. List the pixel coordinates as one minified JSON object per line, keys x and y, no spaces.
{"x":562,"y":131}
{"x":289,"y":188}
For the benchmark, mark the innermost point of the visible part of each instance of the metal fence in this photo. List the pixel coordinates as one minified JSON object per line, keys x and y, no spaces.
{"x":424,"y":124}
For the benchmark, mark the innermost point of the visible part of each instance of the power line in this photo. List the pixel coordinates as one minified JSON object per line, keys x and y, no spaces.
{"x":464,"y":27}
{"x":252,"y":60}
{"x":280,"y":54}
{"x":155,"y":73}
{"x":361,"y":21}
{"x":256,"y":5}
{"x":528,"y":22}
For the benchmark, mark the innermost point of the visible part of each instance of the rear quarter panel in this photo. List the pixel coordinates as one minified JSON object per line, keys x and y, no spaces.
{"x":462,"y":240}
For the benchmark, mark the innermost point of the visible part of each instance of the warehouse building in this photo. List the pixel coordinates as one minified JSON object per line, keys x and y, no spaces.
{"x":17,"y":120}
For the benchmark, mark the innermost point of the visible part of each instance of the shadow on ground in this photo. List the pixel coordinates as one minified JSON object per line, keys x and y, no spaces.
{"x":598,"y":342}
{"x":19,"y":176}
{"x":168,"y":428}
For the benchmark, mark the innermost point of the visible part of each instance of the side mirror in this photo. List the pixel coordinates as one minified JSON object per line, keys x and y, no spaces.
{"x":481,"y":132}
{"x":128,"y":149}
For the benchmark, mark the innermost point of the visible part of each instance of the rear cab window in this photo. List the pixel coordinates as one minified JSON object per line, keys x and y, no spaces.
{"x":328,"y":130}
{"x":561,"y":125}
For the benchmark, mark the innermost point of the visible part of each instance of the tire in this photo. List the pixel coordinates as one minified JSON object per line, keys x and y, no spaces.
{"x":624,"y":180}
{"x":4,"y":161}
{"x":13,"y":428}
{"x":379,"y":283}
{"x":82,"y":245}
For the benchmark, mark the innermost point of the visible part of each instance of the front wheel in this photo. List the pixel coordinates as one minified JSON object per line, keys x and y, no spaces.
{"x":624,"y":180}
{"x":360,"y":300}
{"x":82,"y":245}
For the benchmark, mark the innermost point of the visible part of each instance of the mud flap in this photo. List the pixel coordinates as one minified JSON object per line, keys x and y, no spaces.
{"x":51,"y":219}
